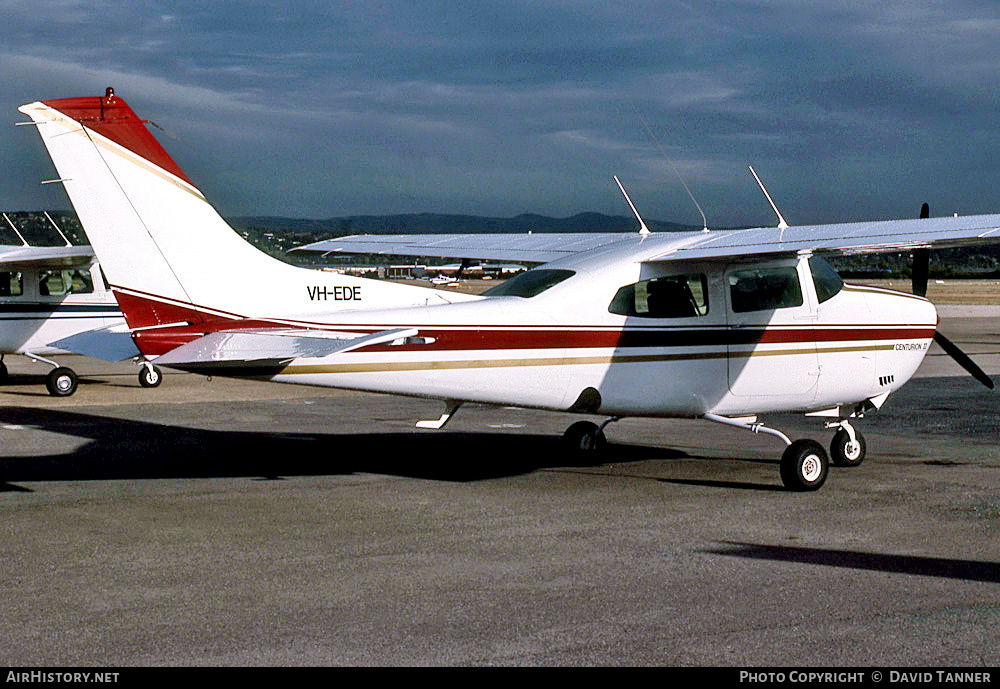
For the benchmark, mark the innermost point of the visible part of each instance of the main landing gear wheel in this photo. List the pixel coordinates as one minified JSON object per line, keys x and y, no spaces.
{"x":584,"y":441}
{"x":845,"y":452}
{"x":804,"y":465}
{"x":150,"y":376}
{"x":61,"y":382}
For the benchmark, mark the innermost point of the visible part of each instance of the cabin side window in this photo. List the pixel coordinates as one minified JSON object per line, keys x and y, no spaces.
{"x":58,"y":283}
{"x":674,"y":296}
{"x":11,"y":284}
{"x":764,"y":289}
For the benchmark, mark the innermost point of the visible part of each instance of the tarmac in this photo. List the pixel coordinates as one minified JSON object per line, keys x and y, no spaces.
{"x":220,"y":522}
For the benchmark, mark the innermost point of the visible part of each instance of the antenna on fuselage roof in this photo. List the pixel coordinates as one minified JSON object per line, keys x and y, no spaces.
{"x":704,"y":220}
{"x":643,"y":230}
{"x":782,"y":225}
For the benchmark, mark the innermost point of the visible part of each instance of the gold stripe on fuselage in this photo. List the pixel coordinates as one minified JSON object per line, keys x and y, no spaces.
{"x":400,"y":366}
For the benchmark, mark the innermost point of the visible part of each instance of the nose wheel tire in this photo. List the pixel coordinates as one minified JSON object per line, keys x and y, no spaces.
{"x":61,"y":382}
{"x":804,"y":465}
{"x":845,"y":452}
{"x":150,"y":377}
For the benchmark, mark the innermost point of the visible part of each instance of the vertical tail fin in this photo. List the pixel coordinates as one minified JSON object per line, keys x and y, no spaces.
{"x":165,"y":250}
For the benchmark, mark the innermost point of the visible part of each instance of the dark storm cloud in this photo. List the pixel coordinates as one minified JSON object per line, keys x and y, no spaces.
{"x":849,"y":110}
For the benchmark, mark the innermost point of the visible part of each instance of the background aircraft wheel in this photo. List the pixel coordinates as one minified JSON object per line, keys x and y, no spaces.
{"x":584,"y":440}
{"x":804,"y":465}
{"x":61,"y":382}
{"x":150,"y":377}
{"x":843,"y":452}
{"x":3,"y":372}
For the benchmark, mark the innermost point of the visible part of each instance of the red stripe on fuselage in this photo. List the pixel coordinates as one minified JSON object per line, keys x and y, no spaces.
{"x":153,"y":312}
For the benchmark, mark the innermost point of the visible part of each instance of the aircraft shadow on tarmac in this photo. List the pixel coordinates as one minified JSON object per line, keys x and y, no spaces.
{"x":129,"y":449}
{"x":967,"y":570}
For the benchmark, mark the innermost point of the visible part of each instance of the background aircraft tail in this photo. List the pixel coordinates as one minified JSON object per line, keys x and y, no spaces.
{"x":165,"y":250}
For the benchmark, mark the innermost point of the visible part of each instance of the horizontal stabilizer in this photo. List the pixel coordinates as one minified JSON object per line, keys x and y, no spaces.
{"x":109,"y":344}
{"x":245,"y":346}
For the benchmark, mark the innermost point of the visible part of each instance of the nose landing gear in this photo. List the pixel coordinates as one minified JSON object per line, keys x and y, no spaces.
{"x":848,"y":447}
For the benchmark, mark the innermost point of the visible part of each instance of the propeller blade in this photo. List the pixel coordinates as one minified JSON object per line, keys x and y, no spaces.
{"x":963,"y":359}
{"x":921,"y":261}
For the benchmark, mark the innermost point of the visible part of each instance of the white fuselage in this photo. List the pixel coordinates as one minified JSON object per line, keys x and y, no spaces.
{"x":557,"y":349}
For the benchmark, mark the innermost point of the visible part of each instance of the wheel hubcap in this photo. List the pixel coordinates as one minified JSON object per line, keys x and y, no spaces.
{"x":852,"y":450}
{"x":811,"y":468}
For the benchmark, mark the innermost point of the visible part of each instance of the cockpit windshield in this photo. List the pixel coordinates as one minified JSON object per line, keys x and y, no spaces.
{"x":827,"y":282}
{"x":529,"y":284}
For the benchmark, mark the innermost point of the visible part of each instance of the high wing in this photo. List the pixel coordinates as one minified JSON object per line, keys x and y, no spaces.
{"x":843,"y":238}
{"x":528,"y":248}
{"x":14,"y":257}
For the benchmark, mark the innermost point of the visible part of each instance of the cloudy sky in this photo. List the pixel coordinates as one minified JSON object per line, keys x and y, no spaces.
{"x":848,"y":110}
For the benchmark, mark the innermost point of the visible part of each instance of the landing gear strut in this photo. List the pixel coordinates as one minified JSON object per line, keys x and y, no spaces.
{"x":804,"y":464}
{"x":61,"y":381}
{"x":585,"y":441}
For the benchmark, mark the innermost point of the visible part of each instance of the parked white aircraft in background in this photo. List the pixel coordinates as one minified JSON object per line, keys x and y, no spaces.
{"x":723,"y":325}
{"x":50,"y":293}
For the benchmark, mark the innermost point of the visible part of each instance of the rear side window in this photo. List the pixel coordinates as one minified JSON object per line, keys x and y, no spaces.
{"x":529,"y":284}
{"x":764,"y":289}
{"x":11,"y":284}
{"x":58,"y":283}
{"x":674,"y":296}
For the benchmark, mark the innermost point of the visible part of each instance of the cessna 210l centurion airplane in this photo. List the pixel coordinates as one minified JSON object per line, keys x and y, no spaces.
{"x":722,"y":325}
